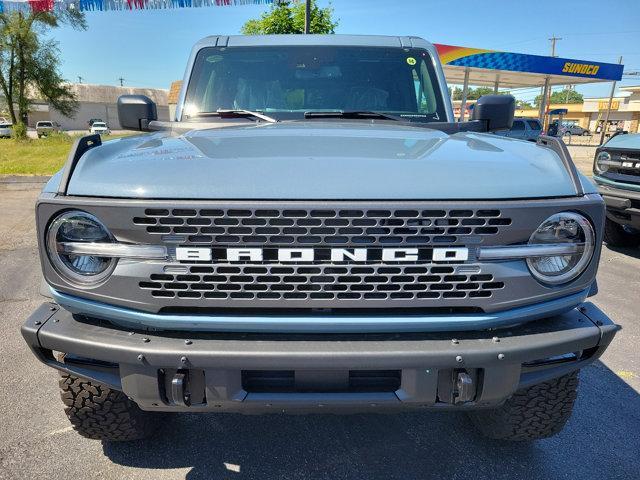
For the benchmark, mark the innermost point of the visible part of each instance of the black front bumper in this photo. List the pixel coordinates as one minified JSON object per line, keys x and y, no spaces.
{"x":623,"y":206}
{"x":173,"y":371}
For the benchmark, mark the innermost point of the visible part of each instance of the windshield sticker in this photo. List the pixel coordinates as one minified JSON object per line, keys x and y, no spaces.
{"x":411,"y":61}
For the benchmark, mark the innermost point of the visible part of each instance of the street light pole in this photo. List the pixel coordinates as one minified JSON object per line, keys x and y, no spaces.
{"x":606,"y":118}
{"x":465,"y":92}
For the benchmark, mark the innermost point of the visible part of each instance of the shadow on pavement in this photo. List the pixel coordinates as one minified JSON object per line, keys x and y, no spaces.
{"x":601,"y":441}
{"x":629,"y":251}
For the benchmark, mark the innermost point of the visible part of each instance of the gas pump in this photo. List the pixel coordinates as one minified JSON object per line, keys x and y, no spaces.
{"x":555,"y":124}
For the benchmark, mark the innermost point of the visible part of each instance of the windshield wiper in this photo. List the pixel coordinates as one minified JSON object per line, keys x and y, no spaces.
{"x":351,"y":114}
{"x":236,"y":114}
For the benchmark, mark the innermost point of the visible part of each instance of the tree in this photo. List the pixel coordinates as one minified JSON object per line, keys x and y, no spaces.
{"x":523,"y":105}
{"x":288,"y":17}
{"x":568,"y":95}
{"x":29,"y":62}
{"x":475,"y":93}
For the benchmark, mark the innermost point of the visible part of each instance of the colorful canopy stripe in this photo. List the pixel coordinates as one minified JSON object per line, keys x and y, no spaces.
{"x":454,"y":56}
{"x":7,"y":6}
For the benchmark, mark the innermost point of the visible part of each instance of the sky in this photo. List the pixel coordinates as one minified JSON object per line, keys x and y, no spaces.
{"x":150,"y":48}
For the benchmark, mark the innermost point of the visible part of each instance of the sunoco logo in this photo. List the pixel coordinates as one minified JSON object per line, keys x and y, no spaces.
{"x":582,"y":68}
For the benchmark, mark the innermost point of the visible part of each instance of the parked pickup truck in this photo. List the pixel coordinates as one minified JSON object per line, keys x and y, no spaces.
{"x":45,"y":128}
{"x":313,"y":232}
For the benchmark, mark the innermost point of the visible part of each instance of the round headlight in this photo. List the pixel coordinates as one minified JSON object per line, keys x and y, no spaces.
{"x":561,"y":229}
{"x":602,"y":165}
{"x":78,"y":227}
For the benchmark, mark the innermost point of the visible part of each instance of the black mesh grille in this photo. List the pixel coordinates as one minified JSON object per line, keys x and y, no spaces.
{"x":322,"y":226}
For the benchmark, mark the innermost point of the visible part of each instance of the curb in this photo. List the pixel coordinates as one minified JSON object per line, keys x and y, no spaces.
{"x":21,"y":179}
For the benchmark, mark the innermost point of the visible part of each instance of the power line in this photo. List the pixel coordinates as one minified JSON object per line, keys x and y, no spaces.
{"x":601,"y":54}
{"x":608,"y":33}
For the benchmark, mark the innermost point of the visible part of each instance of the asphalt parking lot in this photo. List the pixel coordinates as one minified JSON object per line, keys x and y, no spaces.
{"x":601,"y":441}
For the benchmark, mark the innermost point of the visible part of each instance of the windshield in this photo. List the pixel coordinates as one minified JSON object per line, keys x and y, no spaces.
{"x":44,"y":124}
{"x":99,"y":124}
{"x":286,"y":82}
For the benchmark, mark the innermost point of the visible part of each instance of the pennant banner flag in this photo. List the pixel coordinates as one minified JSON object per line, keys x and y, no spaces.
{"x":7,"y":6}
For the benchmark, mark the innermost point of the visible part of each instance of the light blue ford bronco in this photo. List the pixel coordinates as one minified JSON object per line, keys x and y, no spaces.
{"x":314,"y":233}
{"x":616,"y":171}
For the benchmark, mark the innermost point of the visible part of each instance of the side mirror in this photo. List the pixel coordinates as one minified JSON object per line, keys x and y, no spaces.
{"x":136,"y":111}
{"x":496,"y":111}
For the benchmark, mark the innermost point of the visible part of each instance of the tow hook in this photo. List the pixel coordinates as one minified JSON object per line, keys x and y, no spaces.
{"x":182,"y":387}
{"x":179,"y":394}
{"x":465,"y":390}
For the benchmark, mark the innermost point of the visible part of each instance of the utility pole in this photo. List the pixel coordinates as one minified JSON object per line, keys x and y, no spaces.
{"x":546,"y":91}
{"x":307,"y":16}
{"x":80,"y":79}
{"x":121,"y":81}
{"x":553,"y":41}
{"x":606,"y":118}
{"x":465,"y":92}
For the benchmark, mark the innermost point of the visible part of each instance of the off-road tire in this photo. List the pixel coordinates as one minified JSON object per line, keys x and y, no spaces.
{"x":100,"y":413}
{"x":616,"y":236}
{"x":532,"y":413}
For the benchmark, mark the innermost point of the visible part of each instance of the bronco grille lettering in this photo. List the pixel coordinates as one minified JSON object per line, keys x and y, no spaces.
{"x":324,"y":255}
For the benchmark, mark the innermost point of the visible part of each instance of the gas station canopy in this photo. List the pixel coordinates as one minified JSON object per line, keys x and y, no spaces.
{"x":515,"y":70}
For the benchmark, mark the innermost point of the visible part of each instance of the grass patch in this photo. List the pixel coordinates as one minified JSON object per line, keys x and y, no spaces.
{"x":42,"y":156}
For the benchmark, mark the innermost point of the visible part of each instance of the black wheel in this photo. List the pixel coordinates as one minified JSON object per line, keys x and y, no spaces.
{"x":585,"y":133}
{"x":617,"y":235}
{"x":100,"y":413}
{"x":532,"y":413}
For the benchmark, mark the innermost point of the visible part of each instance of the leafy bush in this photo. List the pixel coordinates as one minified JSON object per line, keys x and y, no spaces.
{"x":19,"y":131}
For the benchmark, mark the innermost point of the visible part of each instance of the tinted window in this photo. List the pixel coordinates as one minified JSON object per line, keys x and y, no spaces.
{"x":285,"y":82}
{"x":44,"y":124}
{"x":534,"y":124}
{"x":518,"y":125}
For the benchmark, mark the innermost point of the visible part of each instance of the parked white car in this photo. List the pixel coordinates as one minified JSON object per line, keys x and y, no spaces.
{"x":5,"y":129}
{"x":100,"y":128}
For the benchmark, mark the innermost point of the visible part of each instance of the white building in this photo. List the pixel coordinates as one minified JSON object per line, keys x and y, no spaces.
{"x":96,"y":101}
{"x":625,"y":110}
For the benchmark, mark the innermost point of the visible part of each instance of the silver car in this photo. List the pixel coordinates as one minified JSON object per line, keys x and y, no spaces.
{"x":6,"y":130}
{"x":523,"y":129}
{"x":573,"y":129}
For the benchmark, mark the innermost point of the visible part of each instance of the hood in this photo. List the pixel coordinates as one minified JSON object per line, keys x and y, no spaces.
{"x":629,"y":141}
{"x":320,"y":160}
